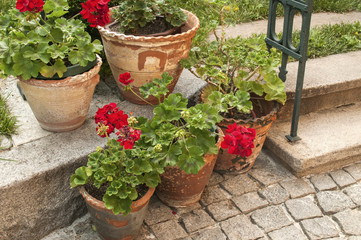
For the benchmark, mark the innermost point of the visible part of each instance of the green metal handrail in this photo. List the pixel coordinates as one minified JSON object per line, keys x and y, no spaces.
{"x":291,"y":7}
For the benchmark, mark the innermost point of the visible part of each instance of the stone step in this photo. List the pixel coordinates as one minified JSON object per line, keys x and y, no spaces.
{"x":35,"y":194}
{"x":329,"y":82}
{"x":330,"y":139}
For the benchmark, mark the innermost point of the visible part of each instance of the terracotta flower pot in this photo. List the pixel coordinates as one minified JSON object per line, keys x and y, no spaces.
{"x":230,"y":163}
{"x":117,"y":227}
{"x":61,"y":105}
{"x":147,"y":57}
{"x":179,"y":189}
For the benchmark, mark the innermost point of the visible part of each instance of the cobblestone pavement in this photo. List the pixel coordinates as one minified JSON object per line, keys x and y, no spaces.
{"x":268,"y":202}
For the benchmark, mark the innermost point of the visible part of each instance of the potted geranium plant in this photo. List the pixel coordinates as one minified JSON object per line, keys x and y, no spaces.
{"x":244,"y":86}
{"x":177,"y":138}
{"x":54,"y":59}
{"x":143,"y":37}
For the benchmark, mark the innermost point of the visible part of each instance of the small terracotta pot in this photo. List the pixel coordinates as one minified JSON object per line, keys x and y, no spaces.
{"x":179,"y":189}
{"x":61,"y":105}
{"x":230,"y":163}
{"x":147,"y":57}
{"x":117,"y":227}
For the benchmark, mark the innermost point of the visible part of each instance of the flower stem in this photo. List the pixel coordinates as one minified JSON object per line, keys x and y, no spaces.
{"x":140,"y":97}
{"x":45,"y":30}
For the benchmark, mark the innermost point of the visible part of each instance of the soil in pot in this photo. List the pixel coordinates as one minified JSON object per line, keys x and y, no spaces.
{"x":159,"y":27}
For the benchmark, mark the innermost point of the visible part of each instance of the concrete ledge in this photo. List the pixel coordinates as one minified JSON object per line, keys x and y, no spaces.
{"x":330,"y":139}
{"x":35,"y":194}
{"x":329,"y":82}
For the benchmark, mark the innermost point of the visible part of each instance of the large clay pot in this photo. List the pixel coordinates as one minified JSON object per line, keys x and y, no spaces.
{"x":147,"y":57}
{"x":117,"y":227}
{"x":61,"y":105}
{"x":179,"y":189}
{"x":230,"y":163}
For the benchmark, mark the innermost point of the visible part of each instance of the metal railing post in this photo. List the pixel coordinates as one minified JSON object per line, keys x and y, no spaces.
{"x":305,"y":7}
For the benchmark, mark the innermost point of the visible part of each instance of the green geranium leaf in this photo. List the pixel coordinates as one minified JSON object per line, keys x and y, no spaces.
{"x":49,"y":71}
{"x":256,"y":87}
{"x":57,"y":34}
{"x":25,"y":67}
{"x":204,"y":139}
{"x":156,"y":88}
{"x":203,"y":116}
{"x":166,"y":111}
{"x":172,"y":154}
{"x":274,"y":89}
{"x":80,"y":177}
{"x":57,"y":8}
{"x":94,"y":159}
{"x":242,"y":102}
{"x":151,"y":179}
{"x":191,"y":160}
{"x":217,"y":100}
{"x":117,"y":205}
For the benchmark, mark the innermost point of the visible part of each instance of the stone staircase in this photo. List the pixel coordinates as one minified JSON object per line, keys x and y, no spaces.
{"x":35,"y":193}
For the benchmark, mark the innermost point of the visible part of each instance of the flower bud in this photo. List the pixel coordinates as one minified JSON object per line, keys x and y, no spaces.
{"x":158,"y":148}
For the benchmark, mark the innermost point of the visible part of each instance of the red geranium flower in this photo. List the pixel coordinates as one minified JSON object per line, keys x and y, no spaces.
{"x":96,"y":12}
{"x":30,"y":5}
{"x":127,"y":136}
{"x":239,"y":141}
{"x":110,"y":116}
{"x":125,"y":78}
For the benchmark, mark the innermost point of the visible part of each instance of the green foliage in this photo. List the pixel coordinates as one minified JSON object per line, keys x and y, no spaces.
{"x":135,"y":14}
{"x":183,"y":135}
{"x":7,"y":121}
{"x":235,"y":68}
{"x":176,"y":135}
{"x":29,"y":46}
{"x":5,"y":5}
{"x":208,"y":11}
{"x":122,"y":170}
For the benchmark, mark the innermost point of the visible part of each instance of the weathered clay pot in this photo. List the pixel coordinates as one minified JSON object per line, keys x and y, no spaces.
{"x":61,"y":105}
{"x":230,"y":163}
{"x":179,"y":189}
{"x":117,"y":227}
{"x":147,"y":57}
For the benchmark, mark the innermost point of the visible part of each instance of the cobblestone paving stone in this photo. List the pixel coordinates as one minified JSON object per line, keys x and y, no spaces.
{"x":248,"y":206}
{"x":288,"y":233}
{"x":297,"y":188}
{"x":342,"y":178}
{"x":303,"y":208}
{"x":275,"y":194}
{"x":249,"y":202}
{"x":320,"y":228}
{"x":323,"y":182}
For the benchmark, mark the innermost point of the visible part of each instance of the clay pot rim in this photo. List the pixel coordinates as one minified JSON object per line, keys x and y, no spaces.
{"x":104,"y":31}
{"x":136,"y":205}
{"x":71,"y":80}
{"x":227,"y":121}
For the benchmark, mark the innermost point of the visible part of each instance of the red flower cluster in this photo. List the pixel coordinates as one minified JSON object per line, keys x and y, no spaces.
{"x":125,"y":78}
{"x":96,"y":12}
{"x":239,"y":141}
{"x":30,"y":5}
{"x":110,"y":118}
{"x":127,"y":136}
